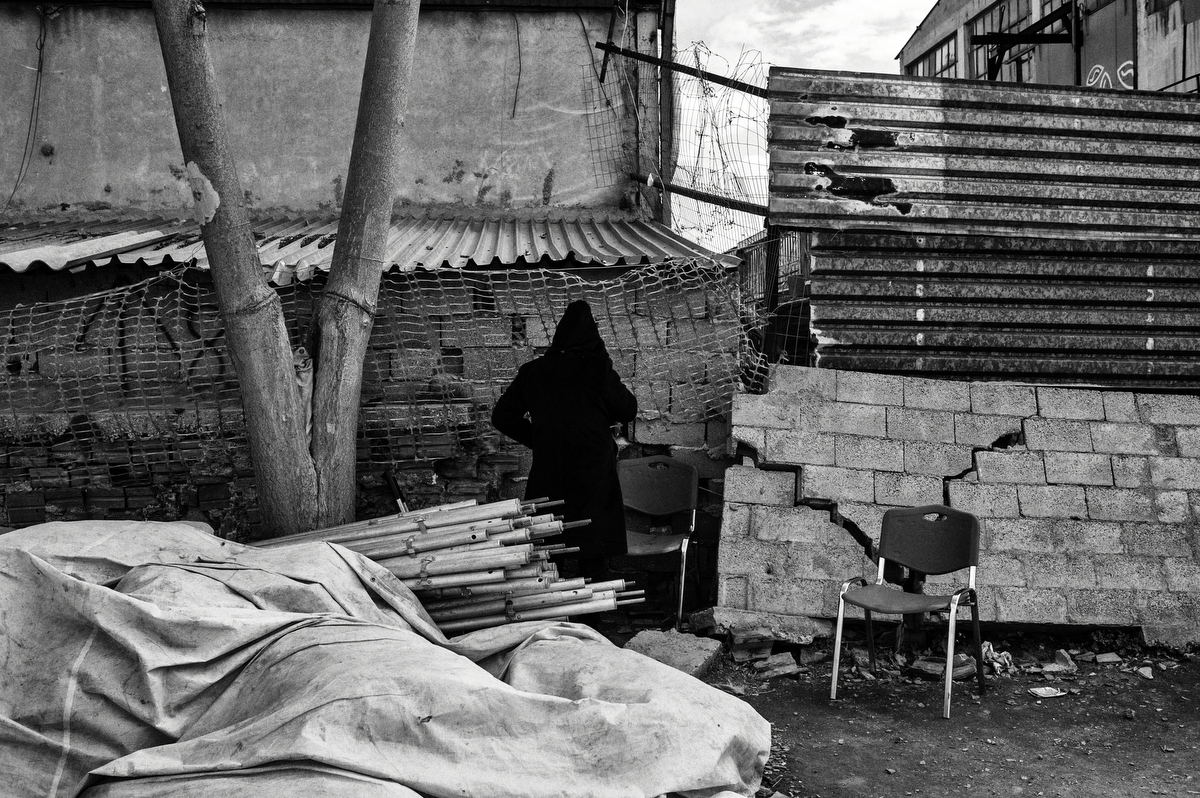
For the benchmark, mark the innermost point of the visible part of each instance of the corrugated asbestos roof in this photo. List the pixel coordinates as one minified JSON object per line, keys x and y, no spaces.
{"x":1065,"y":311}
{"x":850,"y":150}
{"x":294,"y":248}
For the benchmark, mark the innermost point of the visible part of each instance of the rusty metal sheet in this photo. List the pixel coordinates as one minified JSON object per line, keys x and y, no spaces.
{"x":850,"y":150}
{"x":1066,"y":311}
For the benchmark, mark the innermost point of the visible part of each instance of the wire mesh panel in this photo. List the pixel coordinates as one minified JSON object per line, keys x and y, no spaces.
{"x":446,"y":345}
{"x":604,"y":109}
{"x":721,"y":147}
{"x":608,"y":86}
{"x":113,"y":398}
{"x":774,"y":283}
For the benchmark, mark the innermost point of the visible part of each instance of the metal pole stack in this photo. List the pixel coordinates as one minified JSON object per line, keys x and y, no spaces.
{"x":476,"y":566}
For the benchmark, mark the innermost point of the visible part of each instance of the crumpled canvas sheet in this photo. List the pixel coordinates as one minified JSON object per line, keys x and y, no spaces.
{"x":154,"y":659}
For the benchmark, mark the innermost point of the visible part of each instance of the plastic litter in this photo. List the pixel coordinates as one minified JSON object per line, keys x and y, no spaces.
{"x":1000,"y":661}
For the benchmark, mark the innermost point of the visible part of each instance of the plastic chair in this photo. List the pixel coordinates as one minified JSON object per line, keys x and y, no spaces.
{"x":655,"y":489}
{"x":933,"y":539}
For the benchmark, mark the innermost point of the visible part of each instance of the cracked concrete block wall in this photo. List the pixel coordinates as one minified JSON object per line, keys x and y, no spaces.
{"x":1088,"y":499}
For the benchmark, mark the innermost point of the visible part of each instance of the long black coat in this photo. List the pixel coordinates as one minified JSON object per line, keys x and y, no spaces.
{"x":572,"y":396}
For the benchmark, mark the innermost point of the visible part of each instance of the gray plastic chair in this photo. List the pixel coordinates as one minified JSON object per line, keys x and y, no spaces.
{"x":661,"y":493}
{"x":933,"y":539}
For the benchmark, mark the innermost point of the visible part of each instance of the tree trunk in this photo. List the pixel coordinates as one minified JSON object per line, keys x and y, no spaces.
{"x":345,"y":310}
{"x":251,"y":311}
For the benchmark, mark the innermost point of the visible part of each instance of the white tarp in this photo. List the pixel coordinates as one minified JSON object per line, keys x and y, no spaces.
{"x":149,"y":659}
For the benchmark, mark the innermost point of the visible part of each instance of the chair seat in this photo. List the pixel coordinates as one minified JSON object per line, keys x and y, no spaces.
{"x":641,"y":544}
{"x":879,"y":598}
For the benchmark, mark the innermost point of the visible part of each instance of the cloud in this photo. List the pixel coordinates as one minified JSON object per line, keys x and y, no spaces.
{"x":853,"y":35}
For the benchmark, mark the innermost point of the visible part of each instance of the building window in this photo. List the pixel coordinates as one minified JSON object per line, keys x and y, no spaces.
{"x":1005,"y":16}
{"x":1048,"y":8}
{"x":939,"y":62}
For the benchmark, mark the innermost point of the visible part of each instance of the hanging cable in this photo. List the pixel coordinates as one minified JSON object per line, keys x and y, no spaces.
{"x":35,"y":106}
{"x":517,"y":91}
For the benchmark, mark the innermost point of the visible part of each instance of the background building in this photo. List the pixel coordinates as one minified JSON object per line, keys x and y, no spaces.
{"x":1121,"y":44}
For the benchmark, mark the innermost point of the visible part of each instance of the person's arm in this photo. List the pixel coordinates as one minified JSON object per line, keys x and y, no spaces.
{"x":508,"y":415}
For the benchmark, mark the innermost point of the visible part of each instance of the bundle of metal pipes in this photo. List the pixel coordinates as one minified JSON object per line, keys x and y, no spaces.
{"x":476,"y":566}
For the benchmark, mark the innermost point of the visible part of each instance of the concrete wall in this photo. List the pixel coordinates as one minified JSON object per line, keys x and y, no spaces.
{"x":497,"y":118}
{"x":1088,"y":499}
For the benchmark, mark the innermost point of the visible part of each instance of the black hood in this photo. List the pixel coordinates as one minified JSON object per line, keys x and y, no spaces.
{"x":577,"y":331}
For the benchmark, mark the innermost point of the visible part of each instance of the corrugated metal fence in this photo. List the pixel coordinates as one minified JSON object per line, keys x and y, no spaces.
{"x":1042,"y":310}
{"x":933,"y":155}
{"x":962,"y":229}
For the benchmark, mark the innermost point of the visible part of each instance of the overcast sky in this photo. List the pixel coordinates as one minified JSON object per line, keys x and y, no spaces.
{"x":853,"y":35}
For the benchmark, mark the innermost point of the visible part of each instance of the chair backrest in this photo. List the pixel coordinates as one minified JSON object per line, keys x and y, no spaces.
{"x":660,"y":486}
{"x":932,"y":539}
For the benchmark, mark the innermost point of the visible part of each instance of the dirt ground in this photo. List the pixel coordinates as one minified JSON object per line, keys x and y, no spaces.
{"x":1115,"y":731}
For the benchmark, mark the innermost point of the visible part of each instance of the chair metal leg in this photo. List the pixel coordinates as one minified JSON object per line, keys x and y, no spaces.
{"x":870,"y":638}
{"x":683,"y":547}
{"x":950,"y":656}
{"x":837,"y":647}
{"x":978,"y":645}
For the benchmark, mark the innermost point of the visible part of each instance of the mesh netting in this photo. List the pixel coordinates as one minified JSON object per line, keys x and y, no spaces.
{"x":774,"y":290}
{"x":721,"y":147}
{"x":133,"y":388}
{"x":606,"y":85}
{"x":604,"y":109}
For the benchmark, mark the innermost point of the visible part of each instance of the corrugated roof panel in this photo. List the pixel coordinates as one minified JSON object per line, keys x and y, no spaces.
{"x":68,"y":245}
{"x":294,"y":248}
{"x":1100,"y":311}
{"x":851,"y":150}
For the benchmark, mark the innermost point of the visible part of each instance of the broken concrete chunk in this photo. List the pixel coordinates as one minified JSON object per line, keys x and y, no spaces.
{"x":934,"y":668}
{"x":750,"y":647}
{"x":782,"y":670}
{"x":1062,"y":665}
{"x":684,"y":652}
{"x":775,"y":661}
{"x":798,"y":629}
{"x":811,"y":654}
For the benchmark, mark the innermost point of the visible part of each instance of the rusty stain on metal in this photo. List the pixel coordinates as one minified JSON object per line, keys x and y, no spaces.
{"x":860,"y":138}
{"x":864,"y":189}
{"x":992,"y":159}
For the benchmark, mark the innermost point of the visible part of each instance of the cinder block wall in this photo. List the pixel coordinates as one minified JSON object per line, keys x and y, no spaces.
{"x":134,"y":414}
{"x":1088,"y":499}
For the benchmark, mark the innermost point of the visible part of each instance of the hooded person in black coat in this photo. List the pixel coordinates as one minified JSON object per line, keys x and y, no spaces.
{"x":563,"y":406}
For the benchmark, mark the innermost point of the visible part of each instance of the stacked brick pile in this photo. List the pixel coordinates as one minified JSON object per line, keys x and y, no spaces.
{"x":1088,"y":499}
